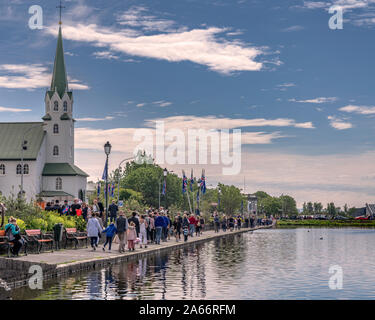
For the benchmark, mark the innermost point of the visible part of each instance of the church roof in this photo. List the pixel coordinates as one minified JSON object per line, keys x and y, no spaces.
{"x":62,"y":169}
{"x":59,"y":78}
{"x":12,"y":134}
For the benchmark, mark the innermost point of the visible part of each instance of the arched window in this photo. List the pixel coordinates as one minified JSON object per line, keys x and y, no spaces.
{"x":2,"y":169}
{"x":65,"y":106}
{"x":19,"y":169}
{"x":55,"y":150}
{"x":26,"y":169}
{"x":55,"y":128}
{"x":58,"y":184}
{"x":55,"y":106}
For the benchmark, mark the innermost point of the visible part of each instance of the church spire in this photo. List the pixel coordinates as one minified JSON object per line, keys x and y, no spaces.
{"x":59,"y":78}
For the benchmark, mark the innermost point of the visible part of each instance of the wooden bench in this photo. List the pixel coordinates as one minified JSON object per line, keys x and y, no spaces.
{"x":39,"y":238}
{"x":4,"y":240}
{"x":72,"y":235}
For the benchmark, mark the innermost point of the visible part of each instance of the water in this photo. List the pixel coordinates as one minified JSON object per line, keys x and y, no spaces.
{"x":266,"y":264}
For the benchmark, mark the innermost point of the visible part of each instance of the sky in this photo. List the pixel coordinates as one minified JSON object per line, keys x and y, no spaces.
{"x":299,"y":91}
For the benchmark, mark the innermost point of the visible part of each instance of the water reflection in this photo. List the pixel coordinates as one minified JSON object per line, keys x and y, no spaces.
{"x":268,"y":264}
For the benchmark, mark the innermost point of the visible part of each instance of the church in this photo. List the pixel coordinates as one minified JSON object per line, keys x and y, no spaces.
{"x":37,"y":158}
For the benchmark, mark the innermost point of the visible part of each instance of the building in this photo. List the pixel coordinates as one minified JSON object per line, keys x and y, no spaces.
{"x":42,"y":153}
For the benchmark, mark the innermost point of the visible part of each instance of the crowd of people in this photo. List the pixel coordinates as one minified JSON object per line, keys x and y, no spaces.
{"x":152,"y":227}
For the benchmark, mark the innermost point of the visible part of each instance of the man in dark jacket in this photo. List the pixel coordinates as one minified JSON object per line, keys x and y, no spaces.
{"x":113,"y":208}
{"x":136,"y":222}
{"x":122,"y":227}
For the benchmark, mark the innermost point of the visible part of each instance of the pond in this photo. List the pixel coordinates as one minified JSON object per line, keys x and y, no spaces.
{"x":265,"y":264}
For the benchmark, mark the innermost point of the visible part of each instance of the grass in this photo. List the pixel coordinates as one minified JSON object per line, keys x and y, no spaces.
{"x":327,"y":223}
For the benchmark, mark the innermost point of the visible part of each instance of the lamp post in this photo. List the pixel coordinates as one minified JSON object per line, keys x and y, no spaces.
{"x":165,"y":173}
{"x":118,"y":179}
{"x":107,"y":150}
{"x":24,"y":147}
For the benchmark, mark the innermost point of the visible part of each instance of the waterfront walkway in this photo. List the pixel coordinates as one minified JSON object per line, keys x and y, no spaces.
{"x":68,"y":261}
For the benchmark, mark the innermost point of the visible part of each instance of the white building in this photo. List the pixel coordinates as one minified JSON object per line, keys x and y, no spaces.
{"x":47,"y":161}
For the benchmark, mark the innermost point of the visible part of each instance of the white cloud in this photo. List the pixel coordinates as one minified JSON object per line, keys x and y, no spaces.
{"x":338,"y":123}
{"x":293,"y":28}
{"x":139,"y":105}
{"x":365,"y":110}
{"x":204,"y":46}
{"x":316,"y":100}
{"x":105,"y":55}
{"x":16,"y":110}
{"x":30,"y":76}
{"x":162,"y":103}
{"x":94,"y":119}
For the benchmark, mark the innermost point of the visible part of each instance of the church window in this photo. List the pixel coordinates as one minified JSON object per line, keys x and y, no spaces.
{"x":55,"y":150}
{"x":55,"y":128}
{"x":58,"y":184}
{"x":56,"y":106}
{"x":65,"y":106}
{"x":2,"y":169}
{"x":19,"y":169}
{"x":26,"y":169}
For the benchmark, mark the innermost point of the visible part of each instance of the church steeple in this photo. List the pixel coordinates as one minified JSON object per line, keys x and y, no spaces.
{"x":59,"y":78}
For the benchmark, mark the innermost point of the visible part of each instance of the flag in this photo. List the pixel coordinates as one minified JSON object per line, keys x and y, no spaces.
{"x":191,"y":181}
{"x":242,"y":206}
{"x":113,"y":190}
{"x":184,"y":182}
{"x":198,"y":196}
{"x":203,"y":182}
{"x":98,"y":189}
{"x":105,"y":172}
{"x":164,"y":187}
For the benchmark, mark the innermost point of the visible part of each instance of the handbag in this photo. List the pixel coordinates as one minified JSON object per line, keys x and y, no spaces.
{"x":116,"y":239}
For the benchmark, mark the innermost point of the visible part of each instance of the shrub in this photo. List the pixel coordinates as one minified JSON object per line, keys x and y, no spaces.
{"x":38,"y":223}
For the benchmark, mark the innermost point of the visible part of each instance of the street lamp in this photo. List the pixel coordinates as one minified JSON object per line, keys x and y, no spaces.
{"x":107,"y":151}
{"x":165,"y":173}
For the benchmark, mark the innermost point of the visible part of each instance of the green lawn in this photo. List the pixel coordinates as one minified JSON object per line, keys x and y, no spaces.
{"x":327,"y":223}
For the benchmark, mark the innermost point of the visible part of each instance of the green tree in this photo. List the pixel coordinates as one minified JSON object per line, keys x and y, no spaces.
{"x":230,"y":199}
{"x":272,"y":206}
{"x":289,"y":205}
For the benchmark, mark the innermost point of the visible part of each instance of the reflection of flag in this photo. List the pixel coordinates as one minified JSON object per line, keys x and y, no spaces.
{"x":184,"y":182}
{"x":105,"y":172}
{"x":98,"y":189}
{"x":203,"y":182}
{"x":191,"y":181}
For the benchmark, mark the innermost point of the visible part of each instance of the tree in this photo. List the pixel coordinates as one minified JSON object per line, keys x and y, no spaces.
{"x":272,"y":205}
{"x":230,"y":199}
{"x":289,"y":205}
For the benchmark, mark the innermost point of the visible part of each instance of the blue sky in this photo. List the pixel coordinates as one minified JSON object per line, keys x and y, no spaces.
{"x":131,"y":61}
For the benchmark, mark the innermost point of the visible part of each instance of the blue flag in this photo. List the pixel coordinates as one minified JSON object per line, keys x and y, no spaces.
{"x":105,"y":172}
{"x":191,"y":181}
{"x":164,"y":187}
{"x":98,"y":189}
{"x":203,"y":182}
{"x":113,"y":190}
{"x":184,"y":182}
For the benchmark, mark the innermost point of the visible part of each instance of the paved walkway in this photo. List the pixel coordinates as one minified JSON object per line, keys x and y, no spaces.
{"x":73,"y":256}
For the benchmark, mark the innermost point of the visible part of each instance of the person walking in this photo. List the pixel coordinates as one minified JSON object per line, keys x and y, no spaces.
{"x":224,"y":224}
{"x":132,"y":236}
{"x":197,"y":226}
{"x":74,"y":207}
{"x":122,"y":227}
{"x":201,"y":220}
{"x":93,"y":230}
{"x":151,"y":228}
{"x":191,"y":225}
{"x":85,"y":211}
{"x":142,"y":231}
{"x":135,"y":220}
{"x":165,"y":227}
{"x":216,"y":223}
{"x":159,"y":223}
{"x":113,"y":209}
{"x":177,"y":227}
{"x":110,"y":231}
{"x":12,"y":231}
{"x":65,"y":208}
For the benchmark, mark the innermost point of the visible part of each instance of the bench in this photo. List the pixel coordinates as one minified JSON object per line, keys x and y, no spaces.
{"x":39,"y":238}
{"x":72,"y":235}
{"x":4,"y":240}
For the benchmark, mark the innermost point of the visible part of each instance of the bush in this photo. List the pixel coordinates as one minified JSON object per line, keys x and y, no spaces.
{"x":38,"y":223}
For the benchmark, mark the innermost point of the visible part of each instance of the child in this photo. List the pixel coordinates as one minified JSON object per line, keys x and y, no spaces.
{"x":132,"y":236}
{"x":110,"y":232}
{"x":186,"y":233}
